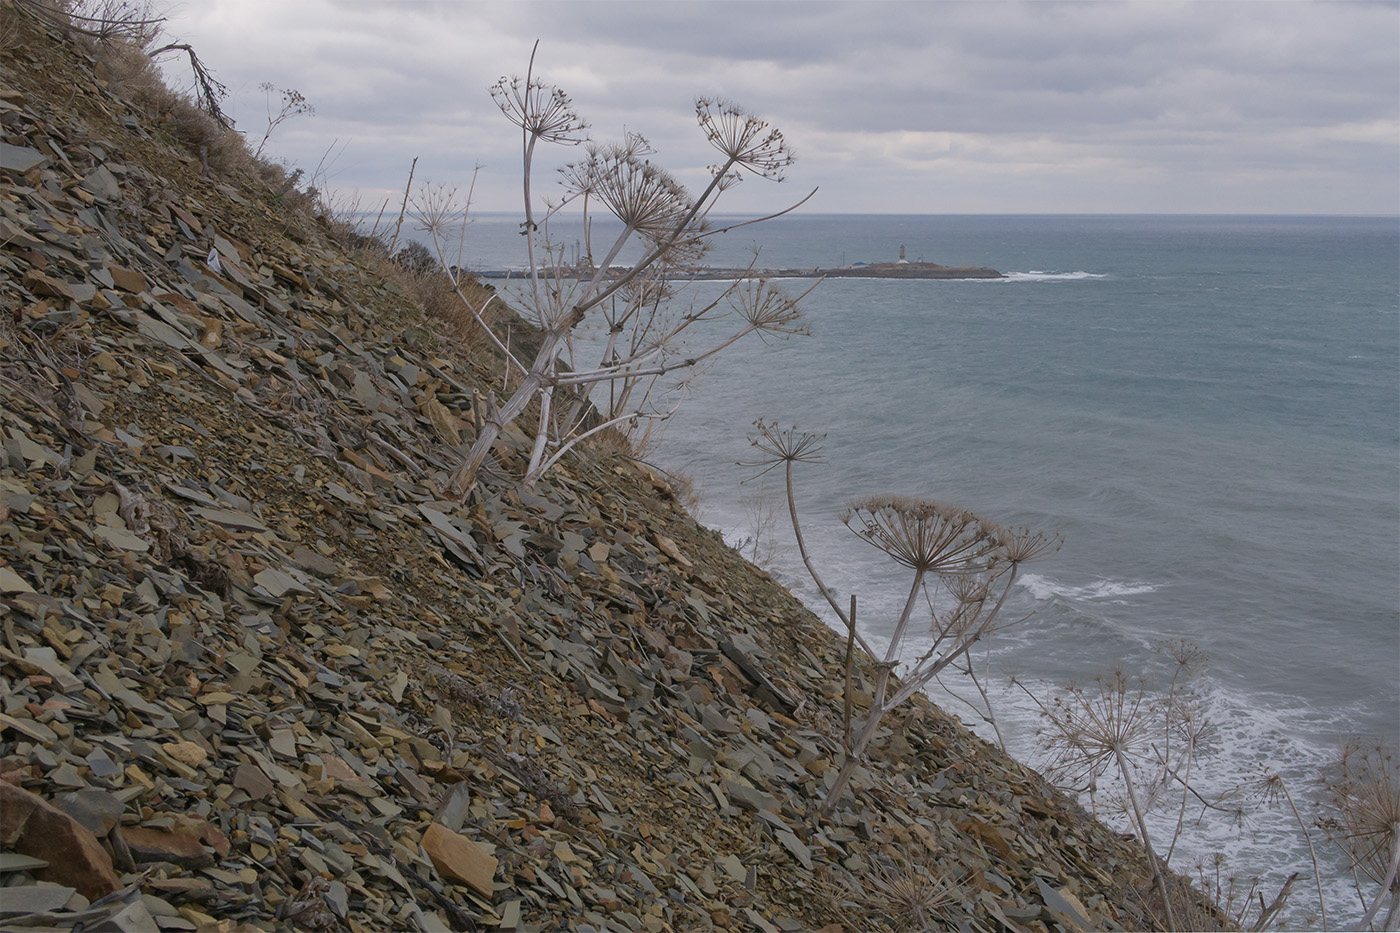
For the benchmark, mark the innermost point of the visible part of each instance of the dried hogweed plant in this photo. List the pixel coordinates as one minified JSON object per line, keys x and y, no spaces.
{"x":1110,"y":727}
{"x":1271,"y":789}
{"x":1231,"y":902}
{"x":1362,"y":799}
{"x":1139,"y":741}
{"x":629,"y":285}
{"x":963,"y":564}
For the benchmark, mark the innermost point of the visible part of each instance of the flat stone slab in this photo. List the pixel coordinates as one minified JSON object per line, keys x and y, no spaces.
{"x":19,"y":158}
{"x":14,"y":861}
{"x":34,"y":899}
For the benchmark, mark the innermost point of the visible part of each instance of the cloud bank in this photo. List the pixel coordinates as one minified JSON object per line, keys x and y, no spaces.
{"x":893,"y":107}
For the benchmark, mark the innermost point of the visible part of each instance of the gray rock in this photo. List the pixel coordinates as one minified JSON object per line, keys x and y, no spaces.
{"x":97,"y":810}
{"x":134,"y":919}
{"x":102,"y":184}
{"x":19,"y":158}
{"x":34,"y":899}
{"x":750,"y":798}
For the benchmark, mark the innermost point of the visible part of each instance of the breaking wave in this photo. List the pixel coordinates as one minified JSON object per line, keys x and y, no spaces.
{"x":1042,"y":587}
{"x":1037,"y":275}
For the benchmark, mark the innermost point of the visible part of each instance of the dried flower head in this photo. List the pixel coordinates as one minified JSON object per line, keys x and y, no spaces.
{"x":779,"y":447}
{"x":1020,"y":545}
{"x":766,"y":307}
{"x":543,"y":111}
{"x":925,"y":535}
{"x":1363,"y":795}
{"x":746,"y":141}
{"x":1087,"y":728}
{"x":971,"y":593}
{"x":639,"y":193}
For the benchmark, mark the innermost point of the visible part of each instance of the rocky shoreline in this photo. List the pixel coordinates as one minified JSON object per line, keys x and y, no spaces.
{"x":256,"y":674}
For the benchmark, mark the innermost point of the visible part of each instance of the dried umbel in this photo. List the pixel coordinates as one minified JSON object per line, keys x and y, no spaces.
{"x":743,"y":139}
{"x":926,"y":535}
{"x":779,"y":446}
{"x":643,"y":196}
{"x":1088,"y":727}
{"x":648,"y":336}
{"x":1144,"y":742}
{"x":543,"y":111}
{"x":1363,"y":794}
{"x":767,"y":308}
{"x":964,"y":567}
{"x":1020,"y":545}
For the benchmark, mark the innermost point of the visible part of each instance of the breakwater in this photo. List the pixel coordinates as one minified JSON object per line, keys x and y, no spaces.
{"x":874,"y":270}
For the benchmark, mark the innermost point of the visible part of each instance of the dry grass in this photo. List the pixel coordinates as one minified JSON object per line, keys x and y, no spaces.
{"x":122,"y":36}
{"x":134,"y":77}
{"x":910,"y":895}
{"x":613,"y":441}
{"x":10,"y":29}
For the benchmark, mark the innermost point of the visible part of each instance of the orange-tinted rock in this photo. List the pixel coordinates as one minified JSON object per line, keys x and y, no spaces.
{"x":458,"y":858}
{"x":182,"y":847}
{"x":128,"y":280}
{"x":45,"y":286}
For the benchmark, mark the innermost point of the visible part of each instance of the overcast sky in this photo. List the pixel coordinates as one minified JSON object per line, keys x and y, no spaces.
{"x":892,"y":107}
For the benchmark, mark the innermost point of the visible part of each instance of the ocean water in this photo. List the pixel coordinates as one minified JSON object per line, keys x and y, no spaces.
{"x":1207,"y":408}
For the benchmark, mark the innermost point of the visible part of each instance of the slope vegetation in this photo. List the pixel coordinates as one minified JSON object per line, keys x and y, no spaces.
{"x":256,"y":674}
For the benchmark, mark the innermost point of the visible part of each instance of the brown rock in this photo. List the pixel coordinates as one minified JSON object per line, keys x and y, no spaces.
{"x":30,"y":825}
{"x":44,"y":286}
{"x":184,"y":889}
{"x":250,"y":778}
{"x":669,"y":548}
{"x":183,"y":304}
{"x":988,"y":835}
{"x":181,"y":847}
{"x":186,"y":753}
{"x":337,"y":769}
{"x":128,"y":280}
{"x":443,"y":420}
{"x":205,"y":832}
{"x":211,"y":332}
{"x":457,"y":857}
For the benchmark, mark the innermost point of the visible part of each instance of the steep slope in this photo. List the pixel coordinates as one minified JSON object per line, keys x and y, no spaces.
{"x":257,"y":674}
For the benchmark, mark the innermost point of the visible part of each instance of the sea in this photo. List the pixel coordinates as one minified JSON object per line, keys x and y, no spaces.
{"x":1207,"y":408}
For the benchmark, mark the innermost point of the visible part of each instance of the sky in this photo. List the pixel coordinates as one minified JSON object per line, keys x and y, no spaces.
{"x":985,"y":107}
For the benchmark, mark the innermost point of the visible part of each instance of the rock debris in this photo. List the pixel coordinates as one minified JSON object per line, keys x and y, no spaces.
{"x":257,"y":675}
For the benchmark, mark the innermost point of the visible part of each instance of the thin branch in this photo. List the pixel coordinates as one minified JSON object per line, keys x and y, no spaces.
{"x":403,"y":208}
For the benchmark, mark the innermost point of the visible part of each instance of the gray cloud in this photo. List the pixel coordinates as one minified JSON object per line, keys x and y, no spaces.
{"x":893,"y":106}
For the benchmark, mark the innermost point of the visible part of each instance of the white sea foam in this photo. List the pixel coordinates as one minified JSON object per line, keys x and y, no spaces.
{"x":1042,"y":587}
{"x":1258,"y":734}
{"x":1038,"y":275}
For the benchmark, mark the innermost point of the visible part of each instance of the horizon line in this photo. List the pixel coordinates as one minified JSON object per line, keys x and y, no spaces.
{"x":1280,"y":214}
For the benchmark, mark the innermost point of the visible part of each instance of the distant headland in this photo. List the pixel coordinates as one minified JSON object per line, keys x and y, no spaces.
{"x":900,"y":269}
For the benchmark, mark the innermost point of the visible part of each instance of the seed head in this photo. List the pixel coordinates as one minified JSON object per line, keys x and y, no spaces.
{"x":778,"y":447}
{"x":925,"y":535}
{"x":745,"y":141}
{"x":1363,"y":793}
{"x":639,"y":193}
{"x":541,"y":110}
